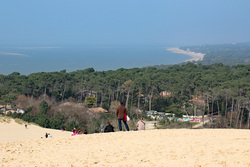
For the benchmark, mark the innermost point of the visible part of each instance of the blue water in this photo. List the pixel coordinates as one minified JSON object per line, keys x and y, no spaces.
{"x":77,"y":58}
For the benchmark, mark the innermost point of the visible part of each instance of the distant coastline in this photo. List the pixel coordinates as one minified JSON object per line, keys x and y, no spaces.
{"x":195,"y":56}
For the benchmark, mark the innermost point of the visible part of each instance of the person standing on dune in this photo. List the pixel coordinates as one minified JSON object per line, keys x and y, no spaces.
{"x":121,"y":113}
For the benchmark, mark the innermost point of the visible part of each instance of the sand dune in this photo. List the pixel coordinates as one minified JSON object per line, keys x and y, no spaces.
{"x":175,"y":147}
{"x":13,"y":131}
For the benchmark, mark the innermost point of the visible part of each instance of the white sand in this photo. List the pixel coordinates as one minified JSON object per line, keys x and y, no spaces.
{"x":177,"y":147}
{"x":17,"y":132}
{"x":195,"y":56}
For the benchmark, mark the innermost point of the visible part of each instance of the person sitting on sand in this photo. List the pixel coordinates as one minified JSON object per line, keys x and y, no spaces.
{"x":79,"y":131}
{"x":109,"y":128}
{"x":49,"y":135}
{"x":74,"y":132}
{"x":141,"y":124}
{"x":102,"y":128}
{"x":85,"y":132}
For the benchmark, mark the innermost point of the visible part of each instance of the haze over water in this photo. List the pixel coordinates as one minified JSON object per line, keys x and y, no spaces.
{"x":28,"y":60}
{"x":136,"y":32}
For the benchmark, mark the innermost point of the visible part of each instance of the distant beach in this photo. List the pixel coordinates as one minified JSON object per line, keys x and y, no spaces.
{"x":195,"y":56}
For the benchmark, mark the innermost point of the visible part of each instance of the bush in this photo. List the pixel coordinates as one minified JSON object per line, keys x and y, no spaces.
{"x":42,"y":120}
{"x":71,"y":125}
{"x":44,"y":107}
{"x":90,"y":101}
{"x":28,"y":118}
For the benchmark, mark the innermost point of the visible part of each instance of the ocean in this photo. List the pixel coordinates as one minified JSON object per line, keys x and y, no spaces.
{"x":27,"y":60}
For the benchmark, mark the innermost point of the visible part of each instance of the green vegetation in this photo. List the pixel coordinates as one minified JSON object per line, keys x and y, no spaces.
{"x":220,"y":87}
{"x":90,"y":101}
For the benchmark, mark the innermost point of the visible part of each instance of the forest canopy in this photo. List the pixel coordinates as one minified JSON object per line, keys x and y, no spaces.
{"x":139,"y":88}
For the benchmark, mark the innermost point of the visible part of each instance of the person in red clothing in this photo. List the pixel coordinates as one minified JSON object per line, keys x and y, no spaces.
{"x":120,"y":114}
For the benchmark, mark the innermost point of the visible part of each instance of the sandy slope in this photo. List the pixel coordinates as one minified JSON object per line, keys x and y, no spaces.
{"x":177,"y":147}
{"x":16,"y":132}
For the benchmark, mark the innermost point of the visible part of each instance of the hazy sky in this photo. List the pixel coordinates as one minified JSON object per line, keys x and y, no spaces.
{"x":131,"y":22}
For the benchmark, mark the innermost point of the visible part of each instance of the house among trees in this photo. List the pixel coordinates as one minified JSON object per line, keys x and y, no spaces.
{"x":6,"y":109}
{"x":87,"y":93}
{"x":155,"y":114}
{"x":200,"y":100}
{"x":21,"y":111}
{"x":165,"y":94}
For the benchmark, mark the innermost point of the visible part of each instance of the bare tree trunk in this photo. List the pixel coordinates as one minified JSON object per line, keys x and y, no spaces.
{"x":45,"y":91}
{"x":195,"y":109}
{"x":212,"y":118}
{"x":208,"y":105}
{"x":226,"y":107}
{"x":132,"y":96}
{"x":241,"y":117}
{"x":96,"y":99}
{"x":101,"y":99}
{"x":122,"y":97}
{"x":116,"y":96}
{"x":64,"y":90}
{"x":203,"y":113}
{"x":5,"y":112}
{"x":113,"y":96}
{"x":118,"y":88}
{"x":109,"y":100}
{"x":127,"y":99}
{"x":81,"y":95}
{"x":139,"y":97}
{"x":238,"y":114}
{"x":150,"y":99}
{"x":149,"y":104}
{"x":248,"y":126}
{"x":218,"y":106}
{"x":231,"y":116}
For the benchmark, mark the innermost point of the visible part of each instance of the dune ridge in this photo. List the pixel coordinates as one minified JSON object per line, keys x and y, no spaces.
{"x":169,"y":147}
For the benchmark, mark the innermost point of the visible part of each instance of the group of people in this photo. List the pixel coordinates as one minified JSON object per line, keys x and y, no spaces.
{"x":78,"y":132}
{"x":121,"y":114}
{"x":47,"y":135}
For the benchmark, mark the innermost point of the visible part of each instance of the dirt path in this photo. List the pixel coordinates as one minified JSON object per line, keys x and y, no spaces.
{"x":150,"y":125}
{"x":200,"y":124}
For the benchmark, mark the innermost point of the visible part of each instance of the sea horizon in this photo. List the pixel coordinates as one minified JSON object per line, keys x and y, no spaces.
{"x":27,"y":60}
